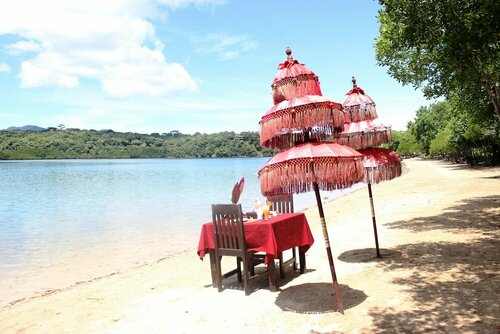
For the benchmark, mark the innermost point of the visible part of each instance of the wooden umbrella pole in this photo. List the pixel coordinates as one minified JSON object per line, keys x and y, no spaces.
{"x":373,"y":218}
{"x":340,"y":303}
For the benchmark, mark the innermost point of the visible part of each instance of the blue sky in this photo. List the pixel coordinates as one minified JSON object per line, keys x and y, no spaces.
{"x":188,"y":65}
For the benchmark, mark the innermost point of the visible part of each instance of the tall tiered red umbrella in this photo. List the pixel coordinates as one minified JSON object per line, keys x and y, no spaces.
{"x":380,"y":164}
{"x":313,"y":166}
{"x":299,"y":121}
{"x":363,"y":131}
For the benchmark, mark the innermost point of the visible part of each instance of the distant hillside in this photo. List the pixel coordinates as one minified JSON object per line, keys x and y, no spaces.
{"x":25,"y":128}
{"x":89,"y":144}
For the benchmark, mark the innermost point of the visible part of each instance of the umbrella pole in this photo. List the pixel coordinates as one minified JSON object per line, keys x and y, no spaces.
{"x":340,"y":303}
{"x":373,"y":218}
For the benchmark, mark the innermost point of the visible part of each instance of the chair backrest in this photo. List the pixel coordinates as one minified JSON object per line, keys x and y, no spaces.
{"x":227,"y":220}
{"x":282,"y":203}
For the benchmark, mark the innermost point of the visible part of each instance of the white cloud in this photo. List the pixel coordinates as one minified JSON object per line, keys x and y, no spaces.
{"x":183,"y":3}
{"x":226,"y":47}
{"x":4,"y":68}
{"x":17,"y":48}
{"x":109,"y":41}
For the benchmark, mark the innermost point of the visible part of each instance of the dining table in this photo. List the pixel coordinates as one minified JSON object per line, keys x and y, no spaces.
{"x":271,"y":236}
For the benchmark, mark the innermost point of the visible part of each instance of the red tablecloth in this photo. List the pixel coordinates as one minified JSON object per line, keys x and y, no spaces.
{"x":271,"y":236}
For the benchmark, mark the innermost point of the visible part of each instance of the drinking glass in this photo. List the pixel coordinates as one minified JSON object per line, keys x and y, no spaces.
{"x":265,"y":212}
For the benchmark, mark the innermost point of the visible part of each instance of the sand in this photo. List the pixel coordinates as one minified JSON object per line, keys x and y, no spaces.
{"x":438,"y":229}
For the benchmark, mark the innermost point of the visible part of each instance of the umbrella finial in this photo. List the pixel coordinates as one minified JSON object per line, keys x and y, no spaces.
{"x":354,"y":82}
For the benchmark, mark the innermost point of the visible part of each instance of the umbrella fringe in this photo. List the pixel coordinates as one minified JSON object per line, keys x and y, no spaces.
{"x":297,"y":176}
{"x":359,"y":112}
{"x":288,"y":140}
{"x":386,"y":172}
{"x":362,"y":140}
{"x":298,"y":86}
{"x":322,"y":116}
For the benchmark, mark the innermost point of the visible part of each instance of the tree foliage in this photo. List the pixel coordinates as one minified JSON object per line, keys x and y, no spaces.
{"x":76,"y":144}
{"x":444,"y":129}
{"x":429,"y":121}
{"x":445,"y":47}
{"x":405,"y":143}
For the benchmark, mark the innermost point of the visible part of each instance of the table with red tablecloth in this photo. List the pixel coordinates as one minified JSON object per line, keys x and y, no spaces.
{"x":271,"y":236}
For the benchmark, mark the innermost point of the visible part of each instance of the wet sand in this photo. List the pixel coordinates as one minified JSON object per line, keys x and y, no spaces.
{"x":440,"y":272}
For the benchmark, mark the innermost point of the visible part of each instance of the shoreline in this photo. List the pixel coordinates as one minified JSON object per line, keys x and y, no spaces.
{"x":438,"y":230}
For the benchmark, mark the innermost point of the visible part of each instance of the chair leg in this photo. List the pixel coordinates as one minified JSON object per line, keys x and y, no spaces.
{"x":238,"y":268}
{"x":246,"y":277}
{"x":251,"y":266}
{"x":218,"y":272}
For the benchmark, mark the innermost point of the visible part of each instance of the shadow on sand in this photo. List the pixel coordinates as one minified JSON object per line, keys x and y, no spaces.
{"x":261,"y":282}
{"x":460,"y":166}
{"x":367,"y":255}
{"x":456,"y":285}
{"x":480,"y":214}
{"x":317,"y":298}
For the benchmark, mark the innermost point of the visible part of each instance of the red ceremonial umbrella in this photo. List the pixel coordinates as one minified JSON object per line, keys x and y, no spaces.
{"x":380,"y":164}
{"x":294,"y":80}
{"x":314,"y":165}
{"x":358,"y":106}
{"x":294,"y":120}
{"x":363,"y":131}
{"x":364,"y":134}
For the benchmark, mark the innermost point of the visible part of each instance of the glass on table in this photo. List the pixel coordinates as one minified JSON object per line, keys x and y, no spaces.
{"x":265,"y":211}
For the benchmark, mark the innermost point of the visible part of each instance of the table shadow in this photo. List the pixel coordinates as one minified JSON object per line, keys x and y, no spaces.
{"x":261,"y":282}
{"x":314,"y":298}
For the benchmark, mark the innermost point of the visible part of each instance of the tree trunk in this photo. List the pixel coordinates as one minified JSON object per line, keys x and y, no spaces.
{"x":493,"y":93}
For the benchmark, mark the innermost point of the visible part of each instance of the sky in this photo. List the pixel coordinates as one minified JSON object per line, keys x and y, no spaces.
{"x":188,"y":65}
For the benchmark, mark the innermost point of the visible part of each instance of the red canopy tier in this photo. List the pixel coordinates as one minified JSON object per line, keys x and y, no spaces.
{"x":380,"y":164}
{"x":294,"y":80}
{"x":329,"y":165}
{"x":364,"y":134}
{"x":358,"y":106}
{"x":291,"y":121}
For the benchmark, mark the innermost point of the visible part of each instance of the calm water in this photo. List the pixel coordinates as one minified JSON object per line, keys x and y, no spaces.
{"x":63,"y":221}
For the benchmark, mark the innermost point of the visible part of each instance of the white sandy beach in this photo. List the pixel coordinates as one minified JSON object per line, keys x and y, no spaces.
{"x":440,"y":273}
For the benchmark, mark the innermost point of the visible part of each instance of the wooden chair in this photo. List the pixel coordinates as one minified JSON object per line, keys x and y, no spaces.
{"x":229,"y":239}
{"x":284,"y":204}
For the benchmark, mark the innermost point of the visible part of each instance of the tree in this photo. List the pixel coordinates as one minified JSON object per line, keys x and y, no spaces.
{"x":429,"y":121}
{"x":444,"y":47}
{"x":404,"y":143}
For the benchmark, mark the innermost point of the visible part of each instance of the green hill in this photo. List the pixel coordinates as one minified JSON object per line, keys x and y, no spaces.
{"x":107,"y":144}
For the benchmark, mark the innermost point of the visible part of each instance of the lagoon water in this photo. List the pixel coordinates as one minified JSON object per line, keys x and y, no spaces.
{"x":66,"y":221}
